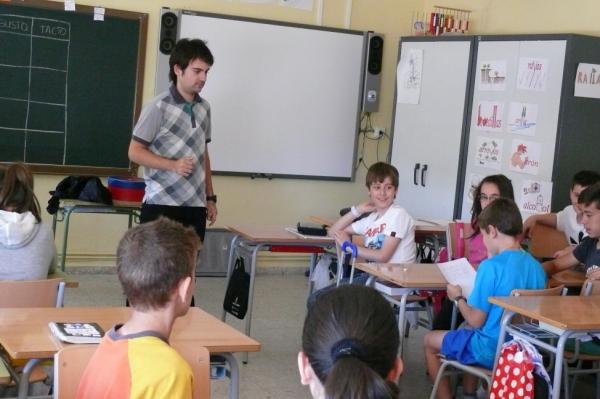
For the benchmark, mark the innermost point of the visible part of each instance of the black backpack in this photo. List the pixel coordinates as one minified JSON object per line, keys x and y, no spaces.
{"x":85,"y":188}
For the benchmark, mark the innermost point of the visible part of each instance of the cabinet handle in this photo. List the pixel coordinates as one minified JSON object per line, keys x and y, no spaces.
{"x":417,"y":167}
{"x":423,"y":174}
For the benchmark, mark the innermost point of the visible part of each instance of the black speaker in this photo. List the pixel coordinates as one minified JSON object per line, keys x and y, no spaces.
{"x":168,"y":32}
{"x":372,"y":79}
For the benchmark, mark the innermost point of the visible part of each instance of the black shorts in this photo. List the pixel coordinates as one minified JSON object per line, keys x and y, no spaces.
{"x":194,"y":216}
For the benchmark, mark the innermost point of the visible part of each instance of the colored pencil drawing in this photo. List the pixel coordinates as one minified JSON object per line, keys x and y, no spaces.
{"x":489,"y":152}
{"x":535,"y":196}
{"x":525,"y":156}
{"x":522,"y":118}
{"x":489,"y":116}
{"x":492,"y":75}
{"x":533,"y":73}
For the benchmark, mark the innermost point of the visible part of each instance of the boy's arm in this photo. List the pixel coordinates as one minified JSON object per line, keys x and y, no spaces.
{"x":472,"y":315}
{"x":381,"y":255}
{"x":342,"y":227}
{"x":565,"y":262}
{"x":549,"y":219}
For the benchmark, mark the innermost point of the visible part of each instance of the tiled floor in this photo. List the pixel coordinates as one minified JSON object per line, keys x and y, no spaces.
{"x":279,"y":310}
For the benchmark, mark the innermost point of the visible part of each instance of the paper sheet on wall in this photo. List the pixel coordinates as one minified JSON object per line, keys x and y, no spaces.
{"x":535,"y":196}
{"x":587,"y":81}
{"x":522,"y":118}
{"x":492,"y":75}
{"x":489,"y":152}
{"x":459,"y":272}
{"x":299,"y":4}
{"x":533,"y":73}
{"x":489,"y":116}
{"x":525,"y":156}
{"x":408,"y":77}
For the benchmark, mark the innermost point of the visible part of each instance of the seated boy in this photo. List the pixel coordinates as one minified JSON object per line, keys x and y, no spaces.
{"x":155,"y":264}
{"x":569,"y":219}
{"x":508,"y":267}
{"x":389,"y":231}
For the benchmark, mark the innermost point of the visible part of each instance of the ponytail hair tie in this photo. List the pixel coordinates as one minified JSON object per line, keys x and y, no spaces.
{"x":346,"y":347}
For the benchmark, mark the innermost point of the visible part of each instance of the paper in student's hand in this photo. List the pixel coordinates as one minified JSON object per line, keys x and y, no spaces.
{"x":459,"y":272}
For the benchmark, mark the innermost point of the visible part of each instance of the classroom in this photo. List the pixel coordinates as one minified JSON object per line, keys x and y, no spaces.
{"x":243,"y":199}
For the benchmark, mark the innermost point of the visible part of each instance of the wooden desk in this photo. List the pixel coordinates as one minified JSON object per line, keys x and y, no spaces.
{"x":70,"y":282}
{"x":24,"y":334}
{"x":68,"y":207}
{"x":569,"y":278}
{"x":563,"y":315}
{"x":422,"y":226}
{"x":252,"y":238}
{"x":424,"y":276}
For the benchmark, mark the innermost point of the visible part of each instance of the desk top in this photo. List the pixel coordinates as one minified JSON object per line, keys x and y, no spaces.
{"x":25,"y":334}
{"x":563,"y":312}
{"x":82,"y":205}
{"x":422,"y":226}
{"x":410,"y":275}
{"x":570,"y":278}
{"x":275,"y":234}
{"x":70,"y":282}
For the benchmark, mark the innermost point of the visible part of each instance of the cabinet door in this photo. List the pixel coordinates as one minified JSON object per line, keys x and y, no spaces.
{"x":429,"y":133}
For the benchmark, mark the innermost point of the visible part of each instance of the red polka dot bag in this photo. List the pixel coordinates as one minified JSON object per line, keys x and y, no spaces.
{"x":515,"y":374}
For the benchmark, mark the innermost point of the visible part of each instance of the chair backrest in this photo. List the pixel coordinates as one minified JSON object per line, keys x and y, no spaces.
{"x":545,"y":241}
{"x":71,"y":361}
{"x":590,"y":287}
{"x":198,"y":358}
{"x":32,"y":294}
{"x":457,"y":236}
{"x":69,"y":365}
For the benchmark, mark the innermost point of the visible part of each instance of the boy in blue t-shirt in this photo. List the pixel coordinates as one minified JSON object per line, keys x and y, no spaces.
{"x":508,"y":267}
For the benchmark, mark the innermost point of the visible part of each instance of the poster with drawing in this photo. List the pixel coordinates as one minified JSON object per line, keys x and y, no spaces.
{"x":522,"y":118}
{"x":489,"y":116}
{"x":408,"y":75}
{"x":489,"y":152}
{"x":587,"y":81}
{"x":533,"y":74}
{"x":492,"y":75}
{"x":525,"y":156}
{"x":535,"y":196}
{"x":472,"y":184}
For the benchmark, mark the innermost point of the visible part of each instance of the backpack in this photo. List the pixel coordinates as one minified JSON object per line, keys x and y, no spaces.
{"x":85,"y":188}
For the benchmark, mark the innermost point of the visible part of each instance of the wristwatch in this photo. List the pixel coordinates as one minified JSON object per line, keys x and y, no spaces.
{"x":212,"y":198}
{"x":457,"y":299}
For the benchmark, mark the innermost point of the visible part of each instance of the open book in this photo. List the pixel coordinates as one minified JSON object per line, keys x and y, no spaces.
{"x":77,"y":333}
{"x":459,"y":272}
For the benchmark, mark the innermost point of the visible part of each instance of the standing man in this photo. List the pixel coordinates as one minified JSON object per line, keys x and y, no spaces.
{"x":170,"y":140}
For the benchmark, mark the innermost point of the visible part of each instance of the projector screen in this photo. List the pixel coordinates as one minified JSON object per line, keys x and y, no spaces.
{"x":285,"y":98}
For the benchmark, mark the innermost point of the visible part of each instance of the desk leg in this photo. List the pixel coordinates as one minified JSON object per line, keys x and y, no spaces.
{"x":234,"y":375}
{"x":54,"y":217}
{"x":232,"y":246}
{"x":558,"y":363}
{"x":63,"y":258}
{"x":402,"y":322}
{"x":251,"y":293}
{"x":311,"y":269}
{"x":508,"y":315}
{"x":24,"y":381}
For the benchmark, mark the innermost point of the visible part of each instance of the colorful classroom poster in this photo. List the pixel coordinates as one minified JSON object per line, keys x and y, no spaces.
{"x":306,"y":5}
{"x":535,"y":196}
{"x":492,"y":75}
{"x":533,"y":73}
{"x":489,"y":152}
{"x":522,"y":118}
{"x":489,"y":116}
{"x":408,"y":75}
{"x":525,"y":156}
{"x":587,"y":81}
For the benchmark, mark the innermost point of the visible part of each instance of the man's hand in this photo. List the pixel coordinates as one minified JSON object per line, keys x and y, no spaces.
{"x":184,"y":166}
{"x":211,"y":214}
{"x":453,"y":291}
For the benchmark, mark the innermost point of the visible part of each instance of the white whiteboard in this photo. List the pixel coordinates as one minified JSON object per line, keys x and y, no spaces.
{"x":285,"y":99}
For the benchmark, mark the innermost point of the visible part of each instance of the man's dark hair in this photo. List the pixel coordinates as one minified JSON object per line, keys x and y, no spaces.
{"x":185,"y":51}
{"x":504,"y":215}
{"x":585,"y":178}
{"x":379,"y":171}
{"x":590,"y":195}
{"x":152,"y":258}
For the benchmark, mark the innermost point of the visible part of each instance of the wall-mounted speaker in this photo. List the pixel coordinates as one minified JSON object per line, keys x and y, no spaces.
{"x":372,"y":77}
{"x":168,"y":32}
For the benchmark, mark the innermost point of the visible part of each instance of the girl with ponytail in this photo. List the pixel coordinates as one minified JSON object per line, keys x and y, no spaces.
{"x":27,"y":250}
{"x":349,"y":346}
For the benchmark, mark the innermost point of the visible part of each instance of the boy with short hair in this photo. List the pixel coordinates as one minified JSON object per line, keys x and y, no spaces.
{"x":508,"y":267}
{"x":155,"y":264}
{"x":389,"y":231}
{"x":569,"y":219}
{"x":588,"y":251}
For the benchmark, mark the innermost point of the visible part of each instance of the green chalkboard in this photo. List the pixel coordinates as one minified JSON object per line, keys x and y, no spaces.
{"x":70,"y":86}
